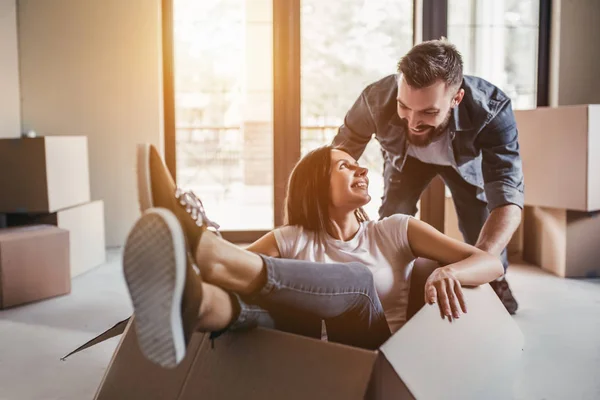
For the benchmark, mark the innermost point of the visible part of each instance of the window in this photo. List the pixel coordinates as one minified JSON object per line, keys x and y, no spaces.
{"x":499,"y":42}
{"x":345,"y":46}
{"x":224,"y":108}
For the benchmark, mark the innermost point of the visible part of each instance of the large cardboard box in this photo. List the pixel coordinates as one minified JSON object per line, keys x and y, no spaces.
{"x":474,"y":357}
{"x":560,"y":148}
{"x":563,"y":242}
{"x":85,"y":223}
{"x":34,"y":264}
{"x":43,"y":175}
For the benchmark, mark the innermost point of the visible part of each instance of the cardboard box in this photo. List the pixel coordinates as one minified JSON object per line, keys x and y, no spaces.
{"x":560,"y":148}
{"x":563,"y":242}
{"x":43,"y":175}
{"x":515,"y":245}
{"x":34,"y":264}
{"x":86,"y":225}
{"x":451,"y":220}
{"x":475,"y":357}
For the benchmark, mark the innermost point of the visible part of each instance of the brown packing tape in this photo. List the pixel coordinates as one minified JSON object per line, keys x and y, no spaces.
{"x":116,"y":330}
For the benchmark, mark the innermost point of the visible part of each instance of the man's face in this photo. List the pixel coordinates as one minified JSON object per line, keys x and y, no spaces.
{"x":426,"y":111}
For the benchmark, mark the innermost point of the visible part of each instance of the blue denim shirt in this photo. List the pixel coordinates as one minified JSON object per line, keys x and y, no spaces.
{"x":483,"y":131}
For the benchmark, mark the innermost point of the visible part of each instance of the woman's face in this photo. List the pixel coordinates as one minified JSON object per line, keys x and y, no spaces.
{"x":349,"y":182}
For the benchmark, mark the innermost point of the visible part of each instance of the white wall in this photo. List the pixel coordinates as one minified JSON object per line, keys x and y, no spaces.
{"x":10,"y":109}
{"x":94,"y":68}
{"x":576,"y":52}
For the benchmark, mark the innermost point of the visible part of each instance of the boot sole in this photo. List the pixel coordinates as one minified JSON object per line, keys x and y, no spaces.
{"x":154,"y":264}
{"x":144,"y":183}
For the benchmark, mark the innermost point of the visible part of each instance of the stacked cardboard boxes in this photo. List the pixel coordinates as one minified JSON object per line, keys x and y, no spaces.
{"x":45,"y":181}
{"x":34,"y":264}
{"x":560,"y":148}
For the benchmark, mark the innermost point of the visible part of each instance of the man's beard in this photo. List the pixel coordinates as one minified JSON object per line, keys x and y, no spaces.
{"x":425,"y":139}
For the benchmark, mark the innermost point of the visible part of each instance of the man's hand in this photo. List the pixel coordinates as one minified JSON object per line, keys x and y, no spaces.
{"x":443,"y":287}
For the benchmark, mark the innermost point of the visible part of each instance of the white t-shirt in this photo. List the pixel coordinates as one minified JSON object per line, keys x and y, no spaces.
{"x":438,"y":152}
{"x":382,"y":246}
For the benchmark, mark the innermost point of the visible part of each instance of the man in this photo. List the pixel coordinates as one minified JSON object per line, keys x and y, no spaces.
{"x":431,"y":120}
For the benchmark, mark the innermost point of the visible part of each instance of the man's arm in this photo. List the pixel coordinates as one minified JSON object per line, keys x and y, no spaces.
{"x":503,"y":181}
{"x":358,"y":128}
{"x":499,"y":228}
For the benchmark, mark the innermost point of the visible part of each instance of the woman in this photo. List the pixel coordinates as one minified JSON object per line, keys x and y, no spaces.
{"x":350,"y":272}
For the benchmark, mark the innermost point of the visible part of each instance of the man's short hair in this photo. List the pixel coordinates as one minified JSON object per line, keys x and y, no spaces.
{"x":430,"y":61}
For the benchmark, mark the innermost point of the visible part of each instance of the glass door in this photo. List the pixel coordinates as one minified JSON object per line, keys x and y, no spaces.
{"x":499,"y":42}
{"x":223,"y":86}
{"x":345,"y":46}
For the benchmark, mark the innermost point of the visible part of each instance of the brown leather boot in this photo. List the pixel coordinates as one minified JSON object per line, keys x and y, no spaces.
{"x":165,"y":290}
{"x":156,"y":188}
{"x":505,"y":295}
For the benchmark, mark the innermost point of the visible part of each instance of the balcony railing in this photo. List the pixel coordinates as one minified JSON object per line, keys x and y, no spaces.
{"x":221,"y":164}
{"x":225,"y":146}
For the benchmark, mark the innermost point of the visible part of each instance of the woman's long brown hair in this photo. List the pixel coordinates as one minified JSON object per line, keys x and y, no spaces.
{"x":308,"y":193}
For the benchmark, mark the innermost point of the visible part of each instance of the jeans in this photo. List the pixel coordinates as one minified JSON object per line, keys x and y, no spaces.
{"x":297,"y":295}
{"x":402,"y":190}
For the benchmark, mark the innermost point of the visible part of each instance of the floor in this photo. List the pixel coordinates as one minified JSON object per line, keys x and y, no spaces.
{"x":559,"y":318}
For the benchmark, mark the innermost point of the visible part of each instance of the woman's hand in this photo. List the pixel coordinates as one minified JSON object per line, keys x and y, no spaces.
{"x":443,"y":287}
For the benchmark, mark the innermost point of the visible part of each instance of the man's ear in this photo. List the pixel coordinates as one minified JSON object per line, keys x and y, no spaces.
{"x":458,"y":97}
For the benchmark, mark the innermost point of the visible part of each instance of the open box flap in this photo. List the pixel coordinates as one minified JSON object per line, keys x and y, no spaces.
{"x":116,"y":330}
{"x":474,"y":357}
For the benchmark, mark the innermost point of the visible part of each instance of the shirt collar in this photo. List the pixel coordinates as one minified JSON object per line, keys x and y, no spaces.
{"x":460,"y":118}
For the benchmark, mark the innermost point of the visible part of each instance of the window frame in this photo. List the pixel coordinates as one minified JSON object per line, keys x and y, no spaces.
{"x":430,"y":22}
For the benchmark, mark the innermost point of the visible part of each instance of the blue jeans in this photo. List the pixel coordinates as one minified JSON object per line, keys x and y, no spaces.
{"x":297,"y":295}
{"x":402,"y":190}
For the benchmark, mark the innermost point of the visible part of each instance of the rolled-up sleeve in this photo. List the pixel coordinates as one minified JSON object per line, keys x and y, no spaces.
{"x":501,"y":161}
{"x":358,"y":128}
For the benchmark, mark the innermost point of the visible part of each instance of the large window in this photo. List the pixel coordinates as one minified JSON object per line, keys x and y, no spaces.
{"x":223,"y":58}
{"x":499,"y":42}
{"x":224,"y":108}
{"x":345,"y":46}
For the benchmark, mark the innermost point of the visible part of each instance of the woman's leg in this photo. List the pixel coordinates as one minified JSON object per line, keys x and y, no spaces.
{"x":237,"y":270}
{"x":342,"y":294}
{"x":171,"y":302}
{"x":163,"y":286}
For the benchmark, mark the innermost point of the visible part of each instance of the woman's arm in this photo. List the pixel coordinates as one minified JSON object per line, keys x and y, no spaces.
{"x":266,"y":245}
{"x":463,"y":264}
{"x":472,"y":267}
